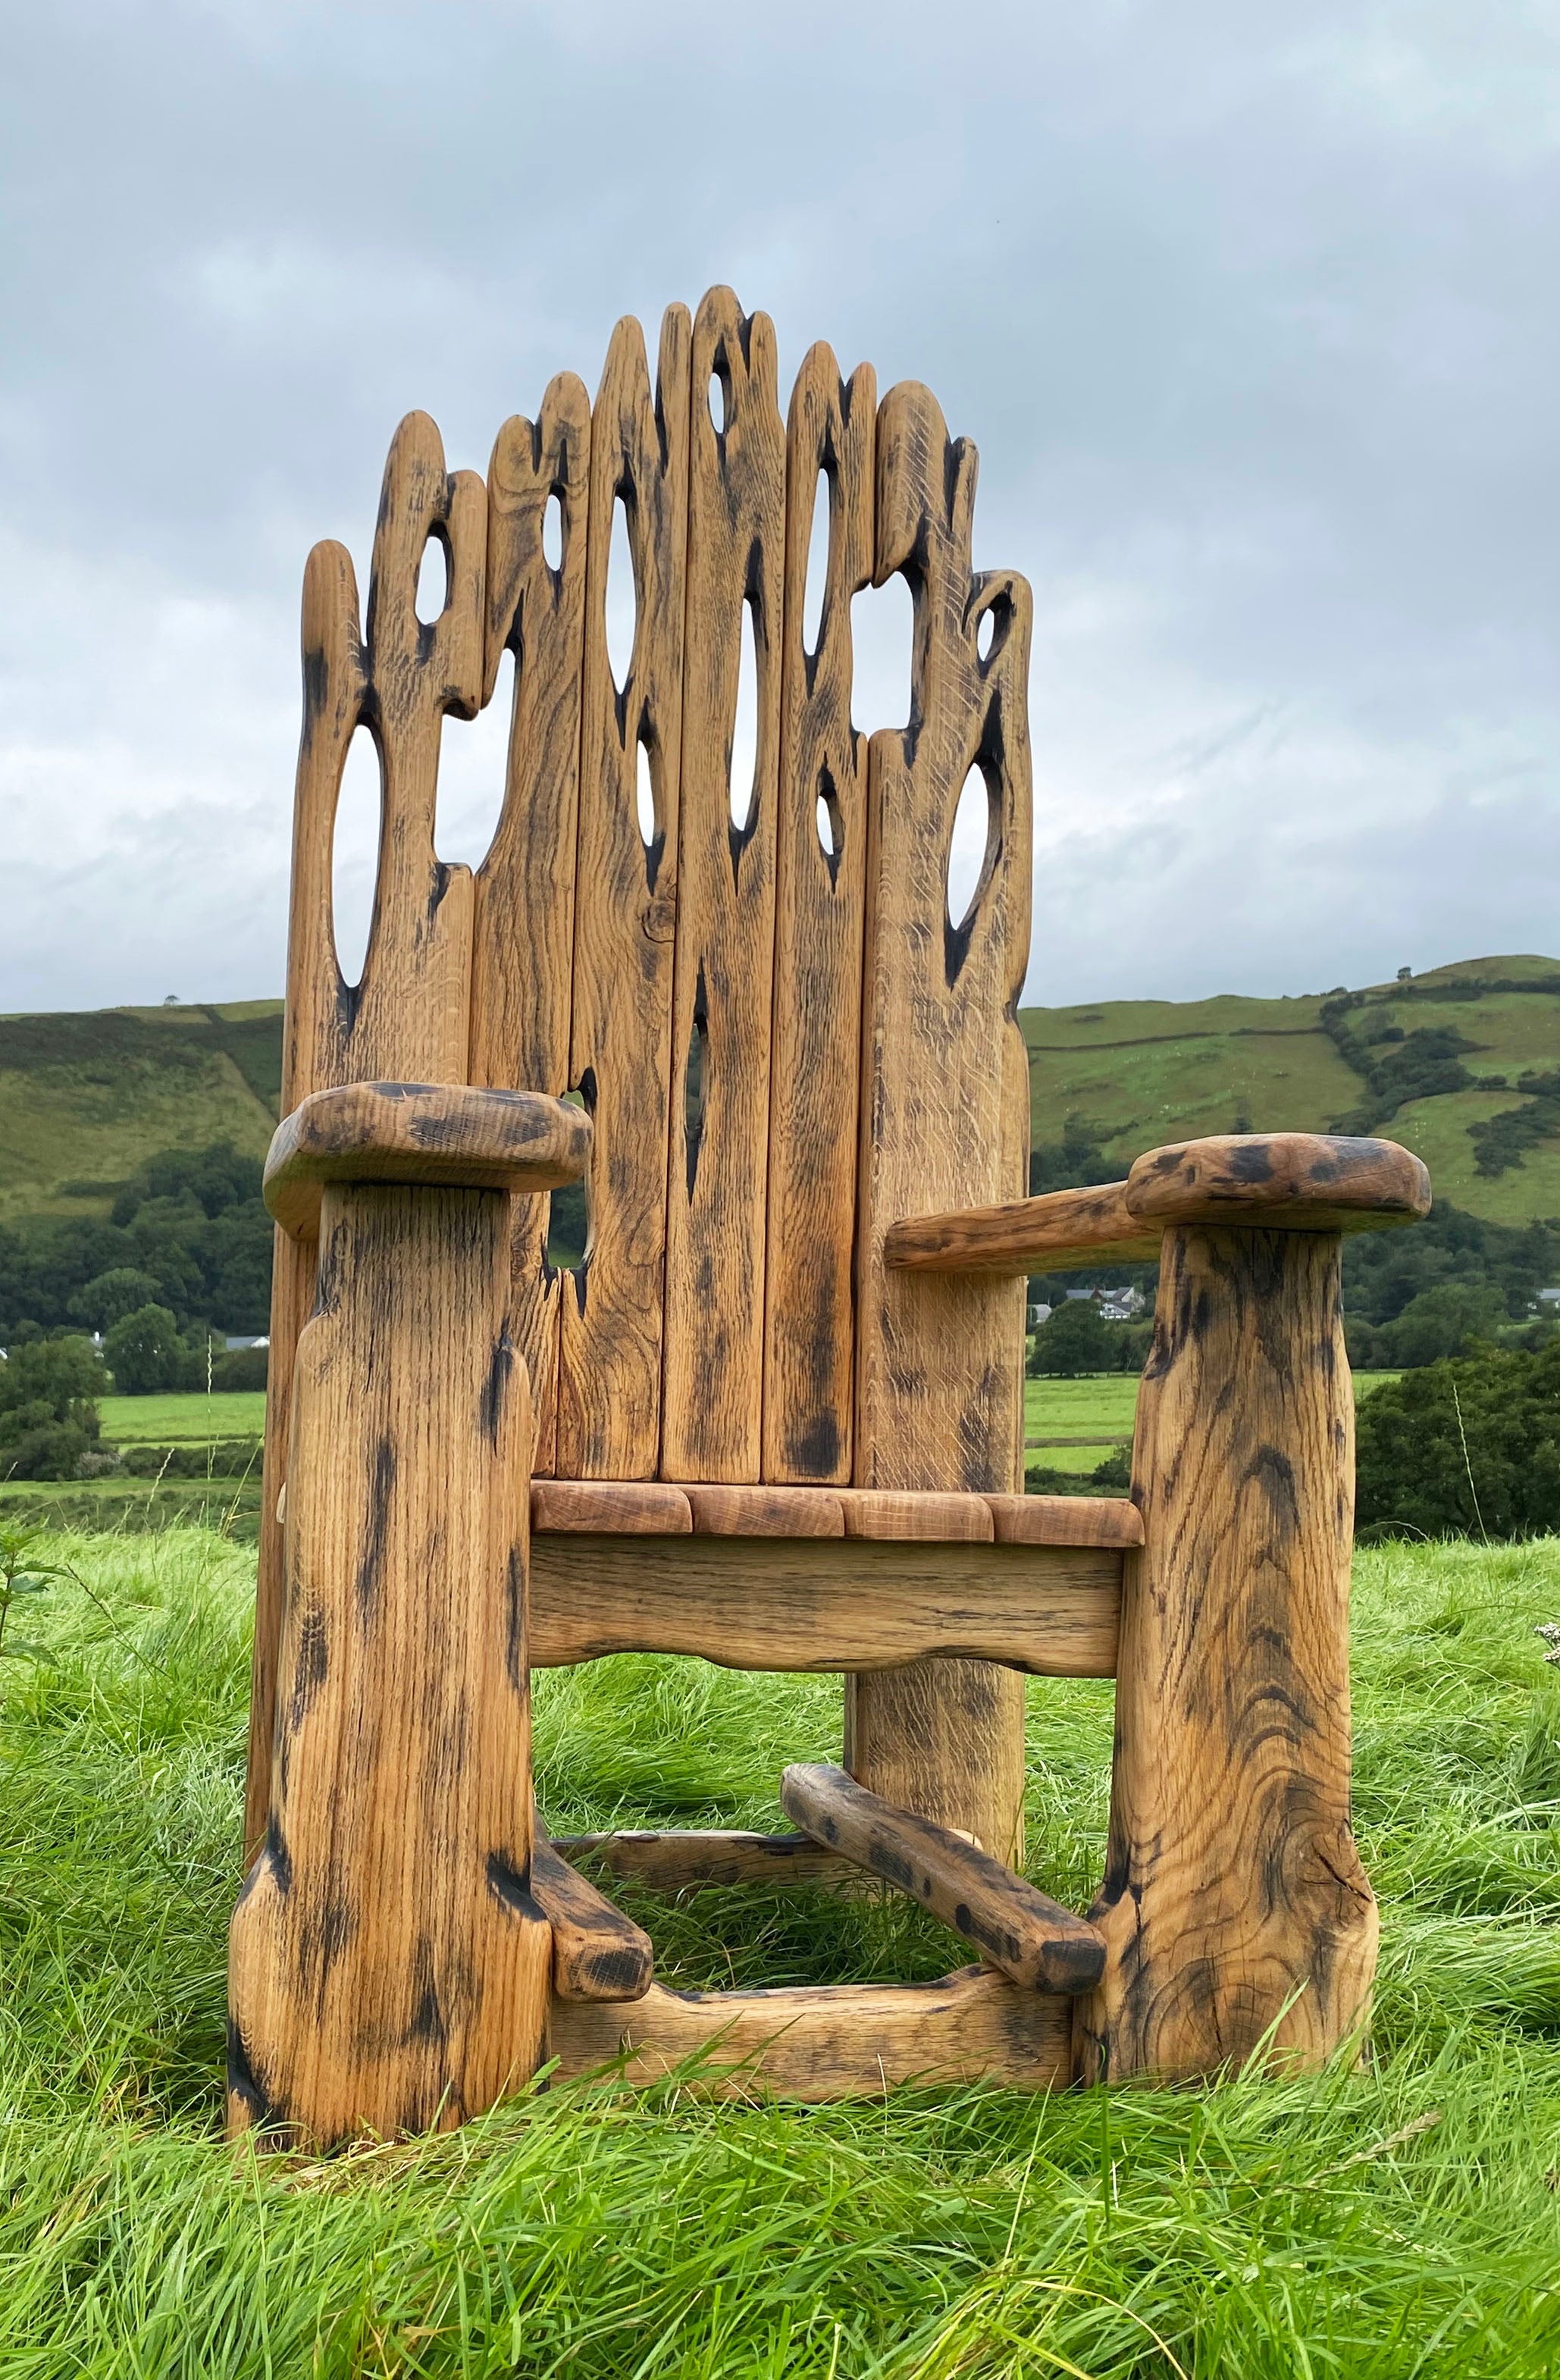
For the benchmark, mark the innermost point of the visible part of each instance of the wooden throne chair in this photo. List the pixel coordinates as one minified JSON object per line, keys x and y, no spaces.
{"x":774,"y":1417}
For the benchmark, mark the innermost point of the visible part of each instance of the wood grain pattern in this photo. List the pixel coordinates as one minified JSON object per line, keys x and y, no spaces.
{"x":388,"y":1966}
{"x":440,"y":1134}
{"x":1066,"y":1521}
{"x":841,"y":2042}
{"x":610,"y":1321}
{"x":875,"y":1512}
{"x":522,"y":954}
{"x":1294,"y":1181}
{"x":689,"y":1859}
{"x":712,"y":1370}
{"x":1024,"y":1235}
{"x":810,"y":1329}
{"x":631,"y":1508}
{"x":821,"y":1603}
{"x":406,"y":1020}
{"x":1029,"y":1936}
{"x":1234,"y":1899}
{"x":766,"y":1512}
{"x":597,"y":1954}
{"x":946,"y":1099}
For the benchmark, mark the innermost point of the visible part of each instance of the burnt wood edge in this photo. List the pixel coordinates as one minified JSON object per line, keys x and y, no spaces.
{"x":598,"y":1953}
{"x":1295,"y":1182}
{"x":429,"y":1135}
{"x":1031,"y":1939}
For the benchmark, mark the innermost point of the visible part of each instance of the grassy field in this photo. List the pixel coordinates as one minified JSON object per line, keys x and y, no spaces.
{"x":1072,"y":1424}
{"x":1398,"y":2219}
{"x":191,"y":1420}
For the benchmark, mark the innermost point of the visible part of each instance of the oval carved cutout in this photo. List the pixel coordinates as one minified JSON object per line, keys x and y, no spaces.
{"x":433,"y":580}
{"x":743,"y":776}
{"x":817,"y":567}
{"x":359,"y":815}
{"x":622,"y":599}
{"x":969,"y":848}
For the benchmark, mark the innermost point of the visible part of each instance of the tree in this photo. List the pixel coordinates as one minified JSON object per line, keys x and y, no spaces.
{"x":146,"y":1355}
{"x":48,"y":1407}
{"x":1467,"y":1448}
{"x":111,"y":1296}
{"x":1075,"y":1340}
{"x":1447,"y":1319}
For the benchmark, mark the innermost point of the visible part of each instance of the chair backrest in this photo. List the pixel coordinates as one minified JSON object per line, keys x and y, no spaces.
{"x":784,"y":1038}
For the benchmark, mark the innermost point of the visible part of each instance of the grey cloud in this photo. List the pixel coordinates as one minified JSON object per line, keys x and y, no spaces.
{"x":1253,"y":318}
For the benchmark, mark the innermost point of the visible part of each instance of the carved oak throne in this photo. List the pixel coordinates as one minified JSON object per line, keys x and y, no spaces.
{"x":774,"y":1417}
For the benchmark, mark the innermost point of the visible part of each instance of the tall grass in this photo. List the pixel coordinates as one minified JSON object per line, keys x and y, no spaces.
{"x":1399,"y":2218}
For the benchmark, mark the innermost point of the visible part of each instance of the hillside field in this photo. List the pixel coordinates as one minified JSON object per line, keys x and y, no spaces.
{"x":86,"y":1097}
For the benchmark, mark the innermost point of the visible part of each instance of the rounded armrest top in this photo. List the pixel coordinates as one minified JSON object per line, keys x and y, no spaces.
{"x":444,"y":1135}
{"x":1308,"y":1180}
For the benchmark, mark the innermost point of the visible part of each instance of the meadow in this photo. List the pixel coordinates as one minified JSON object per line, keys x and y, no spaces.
{"x":1391,"y":2217}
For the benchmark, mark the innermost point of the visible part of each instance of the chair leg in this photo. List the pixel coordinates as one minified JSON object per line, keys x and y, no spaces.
{"x":1234,"y":1905}
{"x":388,"y":1966}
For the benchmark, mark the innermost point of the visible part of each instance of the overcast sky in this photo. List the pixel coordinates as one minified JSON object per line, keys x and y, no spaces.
{"x":1251,"y":312}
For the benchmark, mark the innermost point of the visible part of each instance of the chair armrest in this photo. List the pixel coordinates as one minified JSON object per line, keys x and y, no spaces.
{"x":1288,"y":1181}
{"x":438,"y":1135}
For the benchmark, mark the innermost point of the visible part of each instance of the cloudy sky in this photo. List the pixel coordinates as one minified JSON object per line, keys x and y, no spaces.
{"x":1251,"y":310}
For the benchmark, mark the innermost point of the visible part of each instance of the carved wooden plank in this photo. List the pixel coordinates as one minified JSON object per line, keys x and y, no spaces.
{"x":388,"y":1967}
{"x":626,"y":903}
{"x":944,"y":1099}
{"x":438,"y":1132}
{"x":1025,"y":1235}
{"x":840,"y":2042}
{"x":765,"y":1513}
{"x":1020,"y":1929}
{"x":825,"y":1603}
{"x":597,"y":1954}
{"x":712,"y":1378}
{"x":632,"y":1508}
{"x":874,"y":1512}
{"x":810,"y":1329}
{"x":523,"y":927}
{"x":686,"y":1860}
{"x":1234,"y":1899}
{"x":406,"y":1018}
{"x":1066,"y":1521}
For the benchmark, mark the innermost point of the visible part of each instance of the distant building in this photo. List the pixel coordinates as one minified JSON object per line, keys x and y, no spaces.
{"x":233,"y":1345}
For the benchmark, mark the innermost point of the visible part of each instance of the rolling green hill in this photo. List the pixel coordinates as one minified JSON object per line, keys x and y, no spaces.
{"x":86,"y":1097}
{"x":1428,"y":1063}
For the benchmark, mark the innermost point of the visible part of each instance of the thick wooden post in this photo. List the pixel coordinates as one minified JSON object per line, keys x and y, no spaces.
{"x":1234,"y":1904}
{"x":388,"y":1967}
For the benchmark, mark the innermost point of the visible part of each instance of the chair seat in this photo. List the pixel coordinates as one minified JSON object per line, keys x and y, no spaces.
{"x":651,"y":1508}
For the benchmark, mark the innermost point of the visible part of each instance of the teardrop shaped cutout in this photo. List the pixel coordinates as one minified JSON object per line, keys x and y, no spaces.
{"x":433,"y":580}
{"x":719,"y":404}
{"x":645,"y":795}
{"x":359,"y":812}
{"x":473,"y":773}
{"x":553,"y":532}
{"x":622,"y":599}
{"x":985,"y":635}
{"x":742,"y":783}
{"x":817,"y":567}
{"x":969,"y":847}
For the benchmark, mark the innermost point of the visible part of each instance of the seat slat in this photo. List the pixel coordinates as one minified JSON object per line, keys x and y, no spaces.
{"x":713,"y":1378}
{"x":522,"y":947}
{"x":626,"y":900}
{"x":765,"y":1513}
{"x":810,"y":1326}
{"x":618,"y":1508}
